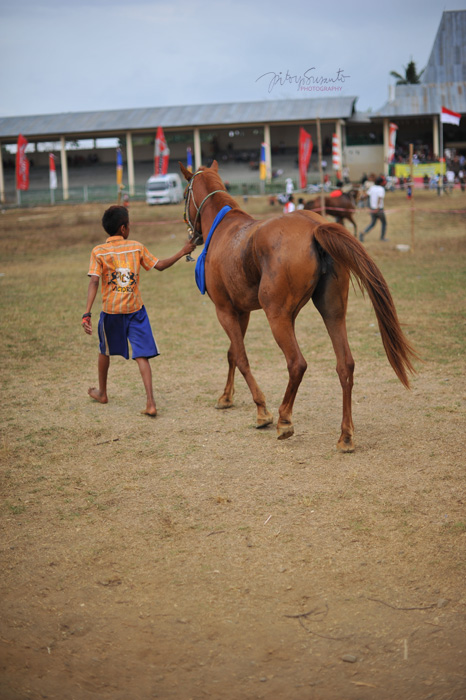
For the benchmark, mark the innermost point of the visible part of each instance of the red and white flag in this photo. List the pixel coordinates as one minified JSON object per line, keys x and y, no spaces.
{"x":304,"y":156}
{"x":52,"y":172}
{"x":22,"y":164}
{"x":162,"y":153}
{"x":449,"y":117}
{"x":391,"y":141}
{"x":336,"y":153}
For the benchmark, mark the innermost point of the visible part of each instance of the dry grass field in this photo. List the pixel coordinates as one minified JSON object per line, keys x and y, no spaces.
{"x":193,"y":556}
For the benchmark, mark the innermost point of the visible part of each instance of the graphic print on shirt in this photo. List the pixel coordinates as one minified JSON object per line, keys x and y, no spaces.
{"x":123,"y":280}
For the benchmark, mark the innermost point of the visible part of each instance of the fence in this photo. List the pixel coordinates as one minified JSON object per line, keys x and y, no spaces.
{"x":40,"y":196}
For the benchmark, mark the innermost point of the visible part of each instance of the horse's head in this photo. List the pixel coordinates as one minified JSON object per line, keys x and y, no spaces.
{"x":202,"y":184}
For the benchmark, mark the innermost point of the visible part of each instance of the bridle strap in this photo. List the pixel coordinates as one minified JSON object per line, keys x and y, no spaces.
{"x":190,"y":194}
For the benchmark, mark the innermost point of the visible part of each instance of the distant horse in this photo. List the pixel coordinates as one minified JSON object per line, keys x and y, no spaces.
{"x":342,"y":207}
{"x":279,"y":264}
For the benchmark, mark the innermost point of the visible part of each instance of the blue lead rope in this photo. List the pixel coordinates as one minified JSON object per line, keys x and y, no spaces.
{"x":200,"y":264}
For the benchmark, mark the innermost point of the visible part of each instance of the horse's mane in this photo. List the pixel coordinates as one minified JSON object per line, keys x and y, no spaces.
{"x":215,"y":182}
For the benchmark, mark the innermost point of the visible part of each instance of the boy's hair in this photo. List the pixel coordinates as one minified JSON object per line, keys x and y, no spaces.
{"x":113,"y":218}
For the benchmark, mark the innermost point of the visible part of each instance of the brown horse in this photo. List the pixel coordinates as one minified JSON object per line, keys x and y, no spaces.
{"x":279,"y":264}
{"x":342,"y":207}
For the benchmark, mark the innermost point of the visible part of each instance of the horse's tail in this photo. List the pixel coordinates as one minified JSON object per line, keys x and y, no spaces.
{"x":347,"y":251}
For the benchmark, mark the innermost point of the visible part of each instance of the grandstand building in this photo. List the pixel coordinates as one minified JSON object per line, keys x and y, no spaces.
{"x":85,"y":142}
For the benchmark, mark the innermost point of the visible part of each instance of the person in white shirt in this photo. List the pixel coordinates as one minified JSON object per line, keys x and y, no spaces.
{"x":376,"y":195}
{"x":289,"y":206}
{"x":450,"y":180}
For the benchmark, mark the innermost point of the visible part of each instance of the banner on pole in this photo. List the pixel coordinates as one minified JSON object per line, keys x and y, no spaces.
{"x":336,"y":153}
{"x":304,"y":156}
{"x":392,"y":129}
{"x":263,"y":163}
{"x":52,"y":172}
{"x":449,"y":117}
{"x":22,"y":165}
{"x":162,"y":153}
{"x":119,"y":167}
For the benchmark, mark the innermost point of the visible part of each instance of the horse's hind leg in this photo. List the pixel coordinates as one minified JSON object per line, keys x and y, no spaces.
{"x":226,"y":399}
{"x":282,"y":325}
{"x":235,"y":326}
{"x":355,"y":226}
{"x":330,"y":299}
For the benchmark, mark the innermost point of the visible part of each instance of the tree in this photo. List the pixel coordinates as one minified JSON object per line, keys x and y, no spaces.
{"x":411,"y":76}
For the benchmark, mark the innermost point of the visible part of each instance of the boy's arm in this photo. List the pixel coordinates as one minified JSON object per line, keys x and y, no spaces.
{"x":91,"y":294}
{"x":168,"y":262}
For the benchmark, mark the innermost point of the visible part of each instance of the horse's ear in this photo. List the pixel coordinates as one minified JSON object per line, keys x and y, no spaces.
{"x":214,"y":166}
{"x":187,"y":173}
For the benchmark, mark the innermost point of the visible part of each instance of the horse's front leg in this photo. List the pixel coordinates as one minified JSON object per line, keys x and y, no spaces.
{"x":235,"y":326}
{"x":226,"y":399}
{"x":283,"y":331}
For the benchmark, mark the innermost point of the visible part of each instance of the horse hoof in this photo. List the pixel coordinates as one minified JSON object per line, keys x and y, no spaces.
{"x":284,"y":432}
{"x":224,"y":404}
{"x":345,"y":445}
{"x":264,"y":421}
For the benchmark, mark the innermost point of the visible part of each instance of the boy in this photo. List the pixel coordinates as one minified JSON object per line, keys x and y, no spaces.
{"x":117,"y":263}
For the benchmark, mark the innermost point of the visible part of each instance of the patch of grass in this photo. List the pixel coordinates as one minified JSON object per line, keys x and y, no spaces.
{"x":456,"y":528}
{"x":15,"y":509}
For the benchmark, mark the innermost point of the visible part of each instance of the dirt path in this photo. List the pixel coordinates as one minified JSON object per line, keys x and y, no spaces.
{"x":196,"y":557}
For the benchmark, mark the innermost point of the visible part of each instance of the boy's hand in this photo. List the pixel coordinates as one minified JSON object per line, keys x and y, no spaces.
{"x":188,"y":247}
{"x":87,"y":325}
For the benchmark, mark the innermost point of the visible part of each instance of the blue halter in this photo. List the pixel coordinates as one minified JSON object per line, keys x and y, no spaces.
{"x":200,"y":263}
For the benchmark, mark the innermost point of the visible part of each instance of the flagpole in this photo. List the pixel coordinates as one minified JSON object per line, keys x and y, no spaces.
{"x":411,"y":170}
{"x":441,"y":152}
{"x":319,"y":150}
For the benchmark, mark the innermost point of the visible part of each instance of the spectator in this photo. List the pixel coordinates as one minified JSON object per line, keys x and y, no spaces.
{"x":376,"y":202}
{"x":289,"y":206}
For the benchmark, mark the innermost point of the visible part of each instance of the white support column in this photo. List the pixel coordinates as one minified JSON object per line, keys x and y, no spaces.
{"x":2,"y":179}
{"x":268,"y":153}
{"x":64,"y":169}
{"x":197,"y":150}
{"x":386,"y":144}
{"x":130,"y":163}
{"x":435,"y":138}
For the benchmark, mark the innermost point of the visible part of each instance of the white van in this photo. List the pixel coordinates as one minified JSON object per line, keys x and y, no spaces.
{"x":164,"y":189}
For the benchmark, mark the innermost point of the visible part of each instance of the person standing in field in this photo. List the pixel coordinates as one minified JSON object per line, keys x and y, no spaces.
{"x":123,"y":318}
{"x":376,"y":194}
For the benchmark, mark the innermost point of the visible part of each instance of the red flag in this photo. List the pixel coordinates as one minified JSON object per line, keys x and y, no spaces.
{"x":304,"y":156}
{"x":52,"y":172}
{"x":162,"y":153}
{"x":391,"y":141}
{"x":22,"y":165}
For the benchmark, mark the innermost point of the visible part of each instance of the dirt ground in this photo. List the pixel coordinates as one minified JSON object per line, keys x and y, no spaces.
{"x":193,"y":556}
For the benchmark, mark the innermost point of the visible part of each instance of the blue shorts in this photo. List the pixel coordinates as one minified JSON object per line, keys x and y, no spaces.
{"x":115,"y":330}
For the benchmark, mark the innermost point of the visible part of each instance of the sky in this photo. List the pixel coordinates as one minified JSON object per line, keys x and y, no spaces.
{"x":90,"y":55}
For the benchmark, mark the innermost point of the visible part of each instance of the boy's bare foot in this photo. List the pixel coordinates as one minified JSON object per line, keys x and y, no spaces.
{"x":97,"y":395}
{"x":152,"y":412}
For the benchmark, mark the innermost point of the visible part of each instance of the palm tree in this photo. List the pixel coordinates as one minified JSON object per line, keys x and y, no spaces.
{"x":411,"y":76}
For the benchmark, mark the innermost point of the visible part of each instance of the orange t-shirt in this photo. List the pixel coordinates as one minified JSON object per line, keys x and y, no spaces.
{"x":117,"y":263}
